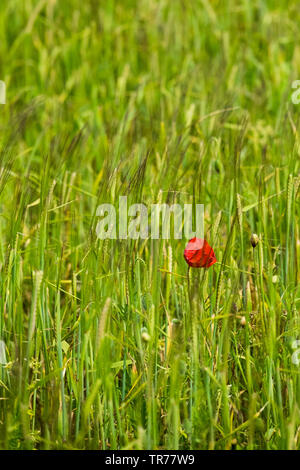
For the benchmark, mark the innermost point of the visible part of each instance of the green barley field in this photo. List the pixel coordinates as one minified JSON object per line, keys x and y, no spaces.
{"x":113,"y":344}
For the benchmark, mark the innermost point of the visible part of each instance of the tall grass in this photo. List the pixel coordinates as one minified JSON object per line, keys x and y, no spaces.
{"x":108,"y":343}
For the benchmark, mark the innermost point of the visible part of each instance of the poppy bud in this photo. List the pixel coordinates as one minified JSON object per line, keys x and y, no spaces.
{"x":145,"y":335}
{"x":254,"y":240}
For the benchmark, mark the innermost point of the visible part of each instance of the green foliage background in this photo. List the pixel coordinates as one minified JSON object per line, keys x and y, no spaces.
{"x":108,"y":344}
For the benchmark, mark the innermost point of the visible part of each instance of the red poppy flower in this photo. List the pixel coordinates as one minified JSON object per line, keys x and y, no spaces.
{"x":198,"y":254}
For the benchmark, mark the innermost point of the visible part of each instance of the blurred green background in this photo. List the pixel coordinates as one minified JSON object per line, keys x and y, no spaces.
{"x":108,"y":343}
